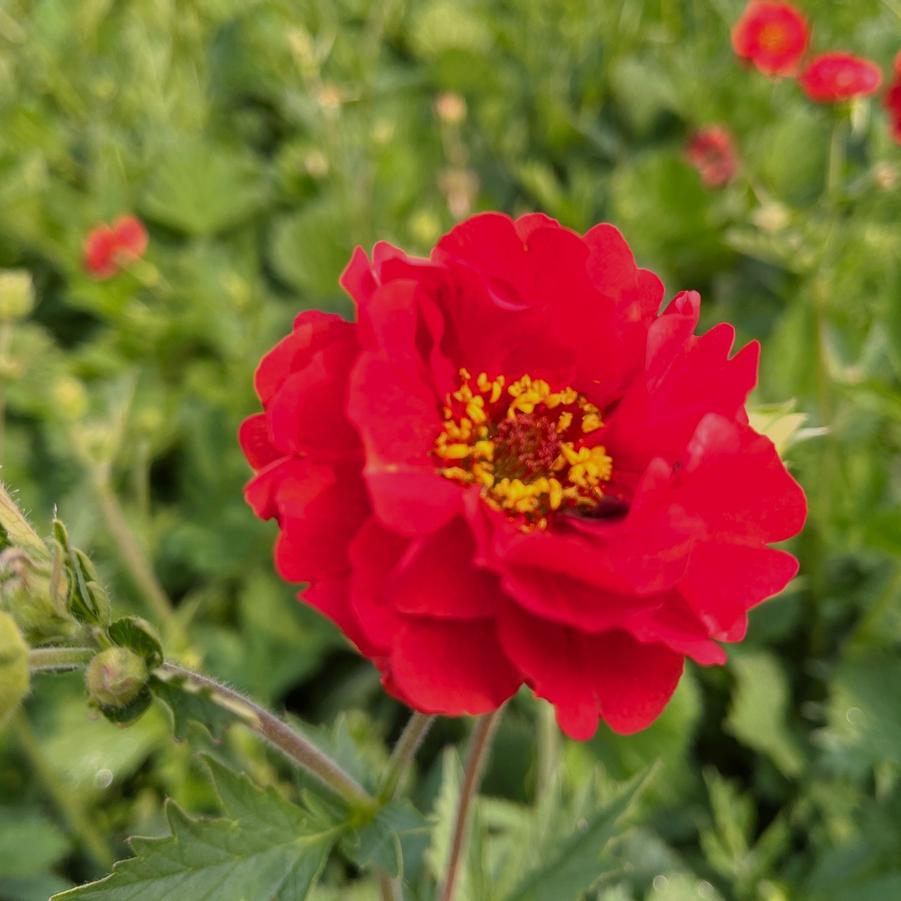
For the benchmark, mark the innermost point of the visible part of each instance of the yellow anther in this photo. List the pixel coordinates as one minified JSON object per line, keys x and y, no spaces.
{"x":497,"y":389}
{"x":554,"y":494}
{"x":474,"y":410}
{"x":456,"y":451}
{"x":484,"y":449}
{"x":591,"y":422}
{"x":564,"y":421}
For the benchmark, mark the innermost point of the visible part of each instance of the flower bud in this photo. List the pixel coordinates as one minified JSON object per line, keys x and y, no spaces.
{"x":16,"y":294}
{"x":69,"y":398}
{"x":14,"y":675}
{"x":116,"y":677}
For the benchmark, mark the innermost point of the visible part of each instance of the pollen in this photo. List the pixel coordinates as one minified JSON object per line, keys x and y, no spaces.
{"x":525,"y":445}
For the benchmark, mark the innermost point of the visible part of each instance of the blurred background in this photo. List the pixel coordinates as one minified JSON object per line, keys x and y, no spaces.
{"x":258,"y":141}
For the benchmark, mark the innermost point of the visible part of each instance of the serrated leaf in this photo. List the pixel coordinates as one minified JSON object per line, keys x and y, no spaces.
{"x":264,"y":847}
{"x":203,"y":188}
{"x":578,"y":864}
{"x":758,"y":715}
{"x":137,"y":635}
{"x":380,"y":843}
{"x":191,"y":704}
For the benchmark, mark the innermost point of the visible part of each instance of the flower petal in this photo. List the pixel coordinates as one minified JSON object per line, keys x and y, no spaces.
{"x":450,"y":668}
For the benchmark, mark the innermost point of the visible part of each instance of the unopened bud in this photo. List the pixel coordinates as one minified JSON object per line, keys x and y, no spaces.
{"x":69,"y":398}
{"x":16,"y":294}
{"x":450,"y":108}
{"x":14,"y":675}
{"x":115,"y":677}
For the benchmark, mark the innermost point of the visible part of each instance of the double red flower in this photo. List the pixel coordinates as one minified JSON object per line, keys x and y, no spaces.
{"x":893,"y":101}
{"x":712,"y":152}
{"x":511,"y":469}
{"x":108,"y":248}
{"x":771,"y":36}
{"x":833,"y":77}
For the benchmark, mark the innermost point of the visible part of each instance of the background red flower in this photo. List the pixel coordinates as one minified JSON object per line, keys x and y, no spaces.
{"x":833,"y":77}
{"x":510,"y":469}
{"x":772,"y":36}
{"x":893,"y":101}
{"x":711,"y":151}
{"x":108,"y":247}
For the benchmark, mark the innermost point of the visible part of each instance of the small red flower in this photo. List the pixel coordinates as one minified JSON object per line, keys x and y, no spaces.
{"x":893,"y":101}
{"x":108,"y":248}
{"x":512,"y":469}
{"x":711,"y":151}
{"x":833,"y":77}
{"x":772,"y":36}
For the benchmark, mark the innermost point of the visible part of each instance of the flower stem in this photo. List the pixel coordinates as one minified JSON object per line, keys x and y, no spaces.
{"x":76,"y":818}
{"x":404,"y":752}
{"x":281,"y":736}
{"x":389,"y":888}
{"x":129,"y":549}
{"x":58,"y":658}
{"x":836,"y":159}
{"x":475,"y":762}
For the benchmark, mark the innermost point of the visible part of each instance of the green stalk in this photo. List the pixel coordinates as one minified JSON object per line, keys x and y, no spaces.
{"x":404,"y":752}
{"x":281,"y":736}
{"x":472,"y":776}
{"x":43,"y":659}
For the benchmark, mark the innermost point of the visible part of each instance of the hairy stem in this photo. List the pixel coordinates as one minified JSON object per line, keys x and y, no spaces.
{"x":475,"y":763}
{"x":129,"y":550}
{"x":404,"y":752}
{"x":64,"y":800}
{"x":390,"y":889}
{"x":281,"y":736}
{"x":58,"y":658}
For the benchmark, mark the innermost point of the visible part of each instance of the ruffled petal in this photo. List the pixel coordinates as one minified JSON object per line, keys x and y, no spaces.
{"x":331,"y":597}
{"x":587,"y":677}
{"x":313,"y":331}
{"x":255,"y":441}
{"x":451,"y":668}
{"x":319,"y":515}
{"x":373,"y":554}
{"x":437,"y":577}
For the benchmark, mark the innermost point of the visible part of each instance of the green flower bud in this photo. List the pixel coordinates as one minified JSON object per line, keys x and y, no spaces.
{"x":116,"y":677}
{"x":16,"y":295}
{"x":14,"y":675}
{"x":69,"y":398}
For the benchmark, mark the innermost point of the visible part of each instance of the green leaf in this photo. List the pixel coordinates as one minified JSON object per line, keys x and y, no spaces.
{"x":865,"y":710}
{"x":380,"y":843}
{"x":759,"y":714}
{"x":191,"y":704}
{"x":137,"y":635}
{"x":203,"y":188}
{"x":579,"y":863}
{"x":264,"y":847}
{"x":30,"y":844}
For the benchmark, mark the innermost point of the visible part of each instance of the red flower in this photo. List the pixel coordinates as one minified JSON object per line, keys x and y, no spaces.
{"x":832,"y":77}
{"x":893,"y":101}
{"x":772,"y":36}
{"x":510,"y":469}
{"x":109,"y":247}
{"x":712,"y":152}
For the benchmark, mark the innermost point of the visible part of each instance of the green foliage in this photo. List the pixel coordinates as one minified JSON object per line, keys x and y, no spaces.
{"x":260,"y":142}
{"x":263,"y":847}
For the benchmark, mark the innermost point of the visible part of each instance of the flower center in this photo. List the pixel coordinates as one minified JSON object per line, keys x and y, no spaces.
{"x":773,"y":37}
{"x":528,"y":447}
